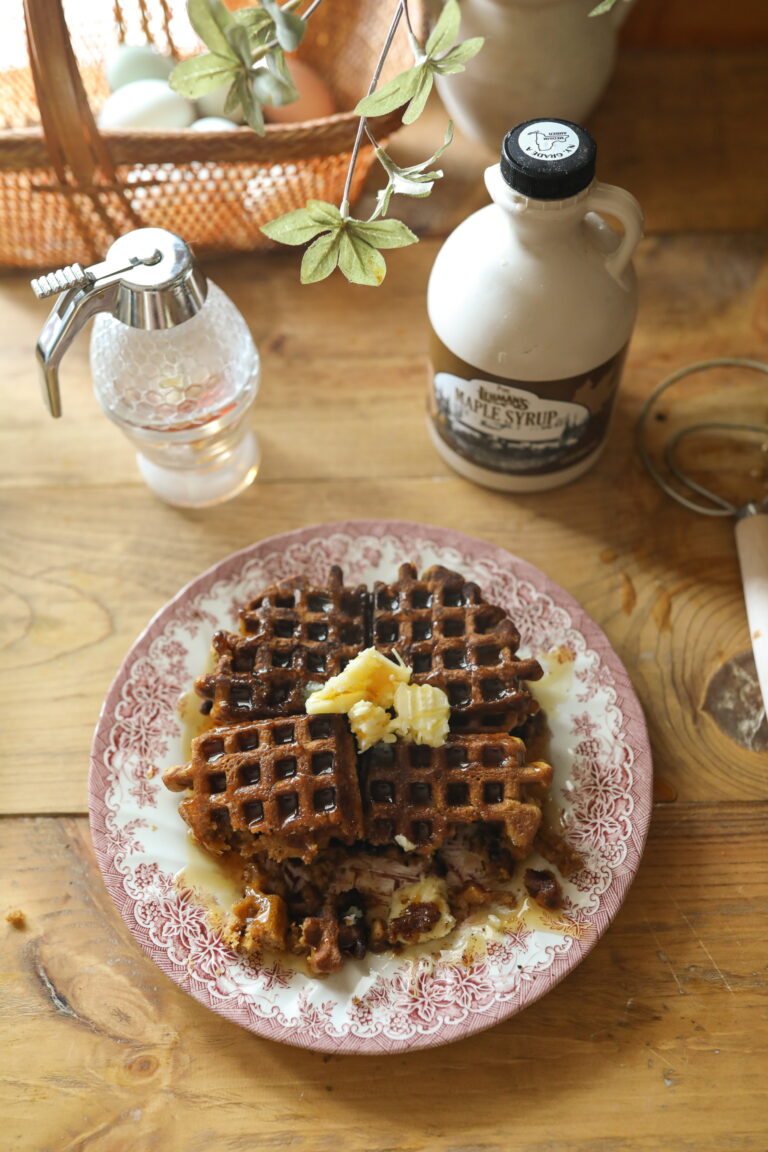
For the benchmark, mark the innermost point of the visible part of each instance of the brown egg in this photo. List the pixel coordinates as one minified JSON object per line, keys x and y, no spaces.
{"x":315,"y":99}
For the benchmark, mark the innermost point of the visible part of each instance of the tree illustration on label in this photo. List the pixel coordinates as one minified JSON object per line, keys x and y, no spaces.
{"x":515,"y":423}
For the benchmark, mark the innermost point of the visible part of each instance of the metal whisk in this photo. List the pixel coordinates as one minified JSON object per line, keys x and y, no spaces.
{"x":751,"y":518}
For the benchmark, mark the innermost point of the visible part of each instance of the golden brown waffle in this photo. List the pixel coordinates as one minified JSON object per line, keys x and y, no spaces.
{"x":452,"y":638}
{"x":284,"y":786}
{"x":294,"y":633}
{"x":423,"y":794}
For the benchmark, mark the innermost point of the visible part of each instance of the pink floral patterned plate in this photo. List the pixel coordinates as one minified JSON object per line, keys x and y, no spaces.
{"x":602,"y":762}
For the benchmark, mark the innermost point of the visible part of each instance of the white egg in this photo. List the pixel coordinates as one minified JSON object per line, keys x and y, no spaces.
{"x":213,"y":124}
{"x":146,"y":104}
{"x":131,"y":62}
{"x":212,"y":104}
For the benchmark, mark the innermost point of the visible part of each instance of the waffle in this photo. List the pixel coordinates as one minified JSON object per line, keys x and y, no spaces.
{"x":424,"y":794}
{"x":294,"y":633}
{"x":284,"y":786}
{"x":452,"y":638}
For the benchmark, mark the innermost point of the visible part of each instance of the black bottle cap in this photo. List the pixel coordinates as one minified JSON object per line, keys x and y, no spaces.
{"x":548,"y":159}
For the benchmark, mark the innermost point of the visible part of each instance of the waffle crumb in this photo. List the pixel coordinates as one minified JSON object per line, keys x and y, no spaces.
{"x":16,"y":918}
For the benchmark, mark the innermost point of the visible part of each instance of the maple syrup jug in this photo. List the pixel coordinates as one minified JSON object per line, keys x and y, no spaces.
{"x":531,"y":303}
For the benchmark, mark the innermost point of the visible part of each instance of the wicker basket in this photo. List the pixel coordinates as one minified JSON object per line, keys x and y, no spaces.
{"x":67,"y":189}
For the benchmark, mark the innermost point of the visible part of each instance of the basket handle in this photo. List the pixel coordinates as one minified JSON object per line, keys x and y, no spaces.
{"x":76,"y":148}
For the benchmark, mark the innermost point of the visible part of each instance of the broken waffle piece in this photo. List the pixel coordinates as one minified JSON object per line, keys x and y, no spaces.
{"x":294,"y":633}
{"x":256,"y":922}
{"x":444,"y":629}
{"x":543,"y":887}
{"x":420,"y":912}
{"x":286,"y":787}
{"x":418,"y":796}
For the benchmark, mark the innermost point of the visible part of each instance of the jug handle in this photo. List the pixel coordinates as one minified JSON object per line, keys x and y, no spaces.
{"x":612,"y":201}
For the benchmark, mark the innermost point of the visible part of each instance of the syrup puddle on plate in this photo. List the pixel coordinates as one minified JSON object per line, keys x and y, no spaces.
{"x":218,"y":882}
{"x":556,"y":685}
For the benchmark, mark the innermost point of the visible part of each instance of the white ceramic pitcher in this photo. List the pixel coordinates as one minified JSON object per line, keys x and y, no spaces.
{"x":540,"y":58}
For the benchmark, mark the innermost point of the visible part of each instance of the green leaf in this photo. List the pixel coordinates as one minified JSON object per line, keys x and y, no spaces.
{"x":384,"y":233}
{"x":271,"y":89}
{"x":445,"y":30}
{"x":359,"y":261}
{"x":321,"y":258}
{"x":250,"y":104}
{"x":252,"y":18}
{"x":201,"y":74}
{"x":210,"y":19}
{"x":259,"y":26}
{"x":421,"y":95}
{"x":324,"y":213}
{"x":294,"y":227}
{"x":240,"y":43}
{"x":603,"y":7}
{"x":278,"y":66}
{"x":455,"y":60}
{"x":289,"y":27}
{"x":232,"y":102}
{"x":397,"y":92}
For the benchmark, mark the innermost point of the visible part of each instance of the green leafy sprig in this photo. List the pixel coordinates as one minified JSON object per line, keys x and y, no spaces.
{"x":247,"y":53}
{"x":355,"y":246}
{"x":440,"y":56}
{"x":414,"y":180}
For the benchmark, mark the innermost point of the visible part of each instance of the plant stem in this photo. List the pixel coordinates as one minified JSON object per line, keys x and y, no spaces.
{"x":408,"y":20}
{"x":363,"y":120}
{"x":262,"y":52}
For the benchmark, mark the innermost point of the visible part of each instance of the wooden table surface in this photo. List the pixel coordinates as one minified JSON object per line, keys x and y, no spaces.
{"x":657,"y":1042}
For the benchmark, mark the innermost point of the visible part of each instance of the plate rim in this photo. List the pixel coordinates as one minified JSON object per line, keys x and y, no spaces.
{"x":582,"y":622}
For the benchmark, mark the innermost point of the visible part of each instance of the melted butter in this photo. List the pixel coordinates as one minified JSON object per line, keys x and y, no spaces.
{"x":556,"y":685}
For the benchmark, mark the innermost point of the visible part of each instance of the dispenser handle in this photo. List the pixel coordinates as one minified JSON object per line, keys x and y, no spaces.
{"x":65,"y":320}
{"x":612,"y":201}
{"x":84,"y":292}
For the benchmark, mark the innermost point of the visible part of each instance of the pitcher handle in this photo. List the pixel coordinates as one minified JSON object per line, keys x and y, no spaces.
{"x":612,"y":201}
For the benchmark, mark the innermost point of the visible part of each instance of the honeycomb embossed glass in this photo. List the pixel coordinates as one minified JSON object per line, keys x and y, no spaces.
{"x":172,"y":360}
{"x":182,"y":395}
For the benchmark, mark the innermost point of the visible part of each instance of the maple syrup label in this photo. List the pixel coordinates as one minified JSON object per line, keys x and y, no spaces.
{"x":524,"y":428}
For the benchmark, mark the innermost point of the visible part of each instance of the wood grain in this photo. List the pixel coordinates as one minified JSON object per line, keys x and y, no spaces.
{"x":656,"y":1042}
{"x":681,"y":129}
{"x":707,"y":23}
{"x":88,"y":555}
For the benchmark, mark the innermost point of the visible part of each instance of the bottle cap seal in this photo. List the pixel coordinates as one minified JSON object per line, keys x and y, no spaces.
{"x":548,"y":159}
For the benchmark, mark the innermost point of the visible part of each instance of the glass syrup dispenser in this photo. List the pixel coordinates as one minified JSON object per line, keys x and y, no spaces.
{"x":172,"y":360}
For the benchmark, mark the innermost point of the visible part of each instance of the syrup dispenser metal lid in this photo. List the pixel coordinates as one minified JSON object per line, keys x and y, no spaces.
{"x":548,"y":159}
{"x":149,"y":279}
